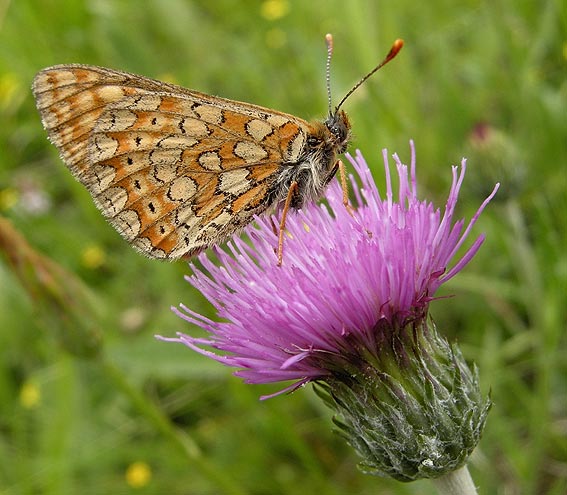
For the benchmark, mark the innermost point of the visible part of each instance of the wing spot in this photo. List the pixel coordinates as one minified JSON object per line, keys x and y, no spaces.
{"x":258,"y":129}
{"x":277,"y":120}
{"x":182,"y":189}
{"x":210,"y":114}
{"x":196,"y":128}
{"x":164,"y":171}
{"x":295,"y":146}
{"x":166,"y":156}
{"x":235,"y":182}
{"x":127,"y":222}
{"x":177,"y":141}
{"x":210,"y":160}
{"x":105,"y":147}
{"x":250,"y":152}
{"x":116,"y":120}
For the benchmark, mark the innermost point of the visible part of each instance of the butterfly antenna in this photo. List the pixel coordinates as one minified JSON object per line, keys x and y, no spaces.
{"x":329,"y":42}
{"x":396,"y":47}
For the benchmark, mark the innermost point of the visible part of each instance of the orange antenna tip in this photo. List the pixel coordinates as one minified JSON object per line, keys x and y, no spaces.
{"x":396,"y":47}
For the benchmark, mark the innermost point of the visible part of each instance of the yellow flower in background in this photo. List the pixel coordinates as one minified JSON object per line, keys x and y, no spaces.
{"x":273,"y":10}
{"x":138,"y":474}
{"x":93,"y":256}
{"x":30,"y":395}
{"x":8,"y":198}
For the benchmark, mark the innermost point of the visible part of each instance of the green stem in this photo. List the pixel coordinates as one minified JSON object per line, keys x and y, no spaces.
{"x":457,"y":482}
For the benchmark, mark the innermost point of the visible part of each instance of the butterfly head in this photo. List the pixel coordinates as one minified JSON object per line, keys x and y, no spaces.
{"x":338,"y":125}
{"x":326,"y":140}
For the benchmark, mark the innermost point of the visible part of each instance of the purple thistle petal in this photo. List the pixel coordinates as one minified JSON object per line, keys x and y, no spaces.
{"x":344,"y":278}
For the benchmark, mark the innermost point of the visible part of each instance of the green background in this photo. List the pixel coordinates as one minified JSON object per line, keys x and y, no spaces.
{"x":86,"y":391}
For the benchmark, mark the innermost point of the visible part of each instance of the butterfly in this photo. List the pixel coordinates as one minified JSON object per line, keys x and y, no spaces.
{"x":176,"y":171}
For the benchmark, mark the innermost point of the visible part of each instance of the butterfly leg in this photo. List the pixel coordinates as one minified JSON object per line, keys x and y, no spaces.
{"x":292,"y":188}
{"x":344,"y":186}
{"x":274,"y":229}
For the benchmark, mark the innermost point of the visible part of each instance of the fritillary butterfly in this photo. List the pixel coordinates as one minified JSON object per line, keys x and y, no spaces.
{"x":176,"y":171}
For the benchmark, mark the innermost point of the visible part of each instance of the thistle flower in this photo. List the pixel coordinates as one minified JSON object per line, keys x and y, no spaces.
{"x":348,"y":310}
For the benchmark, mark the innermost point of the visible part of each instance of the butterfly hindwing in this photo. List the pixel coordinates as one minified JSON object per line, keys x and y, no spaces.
{"x":173,"y":170}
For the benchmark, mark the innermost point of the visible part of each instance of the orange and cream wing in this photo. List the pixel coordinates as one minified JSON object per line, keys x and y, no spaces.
{"x":173,"y":170}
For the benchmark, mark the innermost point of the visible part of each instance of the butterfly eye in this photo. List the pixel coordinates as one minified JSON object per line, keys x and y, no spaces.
{"x":313,"y":141}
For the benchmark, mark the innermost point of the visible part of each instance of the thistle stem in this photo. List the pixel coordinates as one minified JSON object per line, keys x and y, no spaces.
{"x":457,"y":482}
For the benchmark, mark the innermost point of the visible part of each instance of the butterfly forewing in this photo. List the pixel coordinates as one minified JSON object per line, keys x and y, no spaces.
{"x":173,"y":170}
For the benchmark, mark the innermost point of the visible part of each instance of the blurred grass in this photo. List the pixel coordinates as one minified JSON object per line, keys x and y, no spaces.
{"x":487,"y":80}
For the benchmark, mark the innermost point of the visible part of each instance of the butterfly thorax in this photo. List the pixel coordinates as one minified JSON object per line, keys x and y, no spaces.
{"x":317,"y":162}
